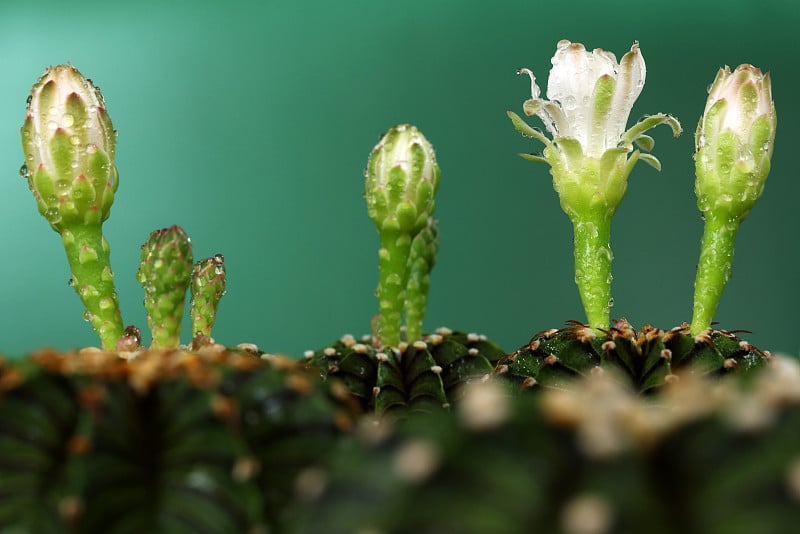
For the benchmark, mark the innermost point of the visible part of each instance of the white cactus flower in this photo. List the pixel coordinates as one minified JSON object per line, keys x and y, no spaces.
{"x":589,"y":99}
{"x":590,"y":95}
{"x":590,"y":152}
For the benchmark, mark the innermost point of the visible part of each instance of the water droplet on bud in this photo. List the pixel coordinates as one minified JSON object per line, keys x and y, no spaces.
{"x":52,"y":215}
{"x":67,"y":120}
{"x":28,"y":102}
{"x":23,"y":171}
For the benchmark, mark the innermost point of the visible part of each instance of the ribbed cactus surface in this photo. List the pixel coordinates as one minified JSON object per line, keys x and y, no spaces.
{"x":647,"y":359}
{"x":423,"y":376}
{"x":168,"y":441}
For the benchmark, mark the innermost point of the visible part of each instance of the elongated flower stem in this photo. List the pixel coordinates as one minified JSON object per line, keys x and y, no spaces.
{"x":89,"y":259}
{"x":392,"y":279}
{"x":421,"y":261}
{"x":593,"y":267}
{"x":714,"y":268}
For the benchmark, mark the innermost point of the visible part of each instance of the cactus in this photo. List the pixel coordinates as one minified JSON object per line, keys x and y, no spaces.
{"x":590,"y":97}
{"x":423,"y":376}
{"x":167,"y":441}
{"x":734,"y":143}
{"x":69,"y":142}
{"x":401,"y":180}
{"x":701,"y":457}
{"x":208,"y":287}
{"x":647,"y":360}
{"x":164,"y":273}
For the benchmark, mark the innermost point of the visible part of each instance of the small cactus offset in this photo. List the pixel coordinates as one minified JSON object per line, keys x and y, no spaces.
{"x":208,"y":287}
{"x":164,"y":273}
{"x":69,"y":143}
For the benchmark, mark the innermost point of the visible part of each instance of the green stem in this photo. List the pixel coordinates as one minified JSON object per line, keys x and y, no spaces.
{"x":593,"y":266}
{"x":392,"y":279}
{"x":89,"y":261}
{"x":714,"y":267}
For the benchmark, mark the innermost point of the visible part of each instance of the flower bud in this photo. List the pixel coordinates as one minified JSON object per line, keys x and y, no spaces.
{"x":69,"y":142}
{"x":401,"y":180}
{"x":734,"y":142}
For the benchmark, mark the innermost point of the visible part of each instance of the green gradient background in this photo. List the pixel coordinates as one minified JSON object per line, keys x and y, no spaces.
{"x":249,"y":124}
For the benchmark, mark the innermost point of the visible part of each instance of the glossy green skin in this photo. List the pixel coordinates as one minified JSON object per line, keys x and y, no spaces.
{"x":164,"y":272}
{"x":70,"y":170}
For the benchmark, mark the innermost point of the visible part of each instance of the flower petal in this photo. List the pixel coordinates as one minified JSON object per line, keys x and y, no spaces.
{"x":630,"y":81}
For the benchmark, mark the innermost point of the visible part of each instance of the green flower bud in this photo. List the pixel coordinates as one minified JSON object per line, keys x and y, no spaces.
{"x":401,"y":180}
{"x":734,"y":141}
{"x":164,"y":272}
{"x":208,"y":287}
{"x":69,"y":143}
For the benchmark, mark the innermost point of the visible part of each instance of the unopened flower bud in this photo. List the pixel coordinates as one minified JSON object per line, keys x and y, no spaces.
{"x":734,"y":142}
{"x":69,"y":143}
{"x":401,"y":181}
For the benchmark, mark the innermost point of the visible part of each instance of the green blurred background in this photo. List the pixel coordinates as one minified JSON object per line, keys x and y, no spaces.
{"x":249,"y":124}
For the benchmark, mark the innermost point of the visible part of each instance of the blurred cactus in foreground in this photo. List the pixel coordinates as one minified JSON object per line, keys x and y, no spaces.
{"x":401,"y":180}
{"x":734,"y":143}
{"x":164,"y":272}
{"x":69,"y":144}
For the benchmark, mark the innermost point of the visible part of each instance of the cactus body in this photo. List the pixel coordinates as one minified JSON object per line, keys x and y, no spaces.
{"x":647,"y":359}
{"x":167,"y":441}
{"x":423,"y":376}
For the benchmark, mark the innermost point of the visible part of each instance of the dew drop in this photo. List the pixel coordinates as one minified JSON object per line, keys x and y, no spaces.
{"x":67,"y":120}
{"x":52,"y":215}
{"x":23,"y":171}
{"x":570,"y":103}
{"x":75,"y":140}
{"x":611,"y":302}
{"x":71,"y":281}
{"x":91,"y":149}
{"x":28,"y":102}
{"x":87,"y":316}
